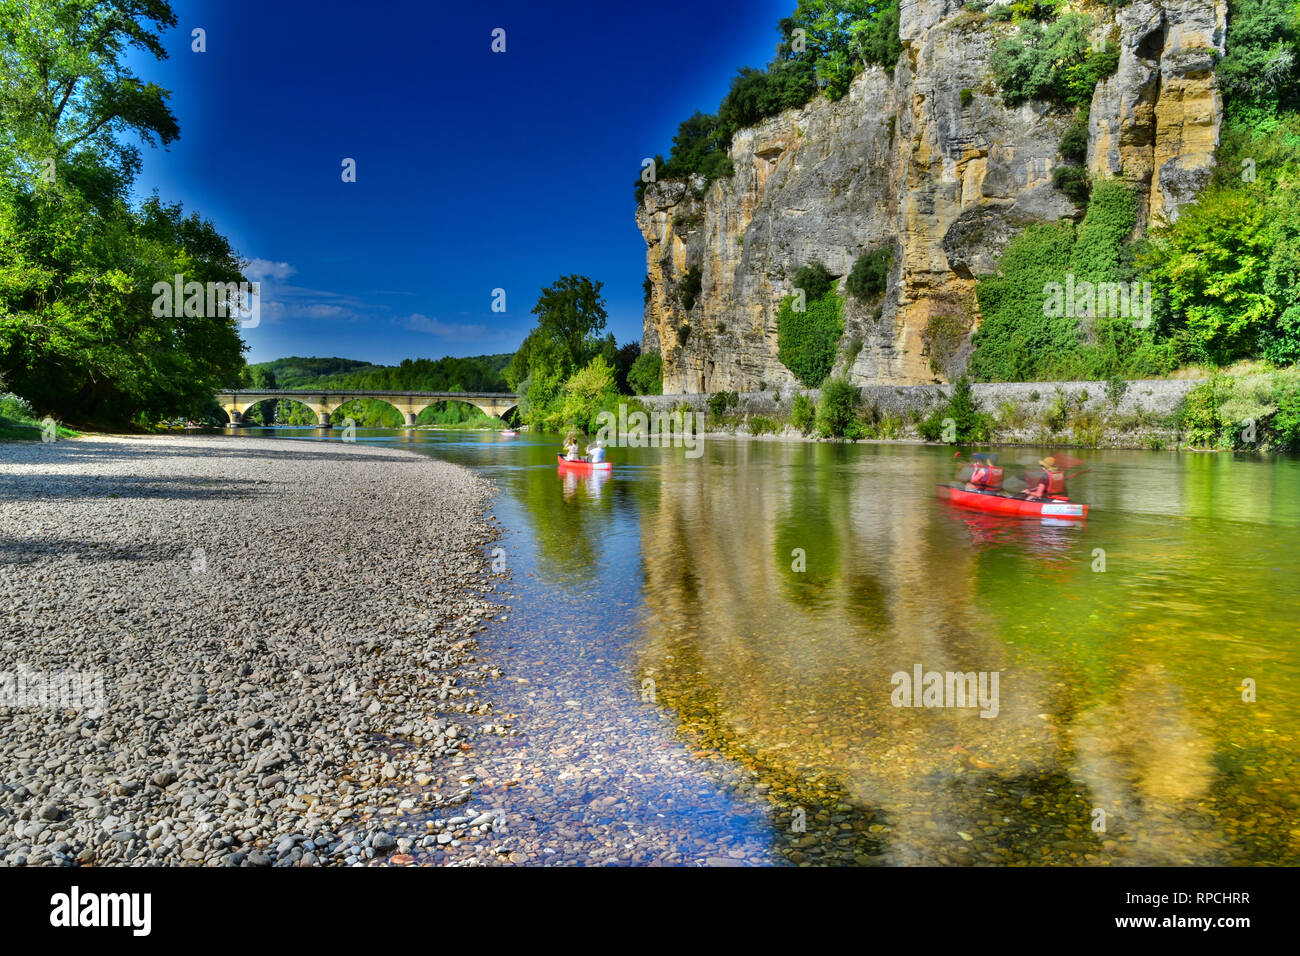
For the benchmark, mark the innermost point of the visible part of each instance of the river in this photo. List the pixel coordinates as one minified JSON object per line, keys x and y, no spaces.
{"x":700,"y":658}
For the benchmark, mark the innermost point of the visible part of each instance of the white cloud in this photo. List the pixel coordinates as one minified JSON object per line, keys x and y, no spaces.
{"x":259,"y":270}
{"x":423,"y":323}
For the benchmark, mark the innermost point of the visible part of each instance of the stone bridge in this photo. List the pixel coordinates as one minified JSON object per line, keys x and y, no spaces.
{"x":236,"y":403}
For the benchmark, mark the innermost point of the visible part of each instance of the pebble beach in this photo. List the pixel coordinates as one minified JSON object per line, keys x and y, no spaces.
{"x":241,"y":652}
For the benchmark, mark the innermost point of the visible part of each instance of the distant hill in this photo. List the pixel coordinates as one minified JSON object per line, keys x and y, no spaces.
{"x":479,"y":373}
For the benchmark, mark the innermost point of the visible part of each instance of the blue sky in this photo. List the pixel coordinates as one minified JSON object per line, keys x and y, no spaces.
{"x":475,"y":170}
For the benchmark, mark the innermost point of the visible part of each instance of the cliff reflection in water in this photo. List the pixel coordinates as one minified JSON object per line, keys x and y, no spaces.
{"x":1099,"y":754}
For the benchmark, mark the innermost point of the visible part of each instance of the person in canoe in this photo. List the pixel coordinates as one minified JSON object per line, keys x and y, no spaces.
{"x":1049,"y":483}
{"x":571,"y":452}
{"x":985,"y":474}
{"x":596,"y":452}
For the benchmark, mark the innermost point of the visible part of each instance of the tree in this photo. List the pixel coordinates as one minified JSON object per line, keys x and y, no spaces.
{"x":66,"y":88}
{"x":78,"y":262}
{"x":571,"y":315}
{"x":647,"y":374}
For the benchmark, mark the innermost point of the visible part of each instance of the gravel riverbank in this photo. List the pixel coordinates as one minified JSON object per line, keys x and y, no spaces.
{"x":241,"y":652}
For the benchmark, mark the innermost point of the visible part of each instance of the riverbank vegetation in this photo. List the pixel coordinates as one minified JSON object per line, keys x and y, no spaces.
{"x":79,"y":257}
{"x":1223,"y":281}
{"x":566,"y":372}
{"x":18,"y":421}
{"x":1250,"y":407}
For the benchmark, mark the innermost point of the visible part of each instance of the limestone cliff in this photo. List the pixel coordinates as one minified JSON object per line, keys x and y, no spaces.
{"x":926,"y":161}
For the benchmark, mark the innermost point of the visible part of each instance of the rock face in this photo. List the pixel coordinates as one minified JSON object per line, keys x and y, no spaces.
{"x":929,"y":163}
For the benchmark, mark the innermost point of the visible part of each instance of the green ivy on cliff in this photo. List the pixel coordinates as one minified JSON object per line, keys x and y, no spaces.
{"x":807,"y":341}
{"x":1024,"y":339}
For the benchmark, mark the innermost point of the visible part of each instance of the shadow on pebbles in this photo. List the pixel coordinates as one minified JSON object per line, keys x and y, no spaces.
{"x":224,"y":651}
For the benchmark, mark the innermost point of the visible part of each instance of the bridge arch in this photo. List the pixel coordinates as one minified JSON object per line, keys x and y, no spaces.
{"x":322,"y":416}
{"x":410,"y":404}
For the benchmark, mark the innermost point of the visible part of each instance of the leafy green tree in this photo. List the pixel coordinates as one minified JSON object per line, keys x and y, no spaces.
{"x":837,"y":409}
{"x":1054,"y":63}
{"x":571,"y":315}
{"x":78,"y":334}
{"x":66,"y":87}
{"x":647,"y":374}
{"x":843,"y":36}
{"x":587,"y":392}
{"x":803,"y":413}
{"x":1212,"y":267}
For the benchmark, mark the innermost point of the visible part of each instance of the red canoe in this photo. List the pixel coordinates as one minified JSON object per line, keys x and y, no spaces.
{"x":583,"y":467}
{"x":1061,"y":509}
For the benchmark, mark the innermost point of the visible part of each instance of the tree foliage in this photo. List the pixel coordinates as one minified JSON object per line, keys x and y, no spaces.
{"x":1228,"y":271}
{"x":1053,"y":63}
{"x":869,"y":275}
{"x":647,"y":374}
{"x":78,"y":261}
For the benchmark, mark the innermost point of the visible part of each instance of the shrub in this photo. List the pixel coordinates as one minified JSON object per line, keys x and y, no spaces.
{"x":869,"y":274}
{"x":1073,"y":181}
{"x":837,"y":410}
{"x":646,"y":376}
{"x":1198,"y":416}
{"x":762,"y":425}
{"x":969,"y":423}
{"x":1055,"y":63}
{"x":1011,"y":415}
{"x":691,"y":286}
{"x":967,"y":96}
{"x":803,"y":413}
{"x":815,"y":281}
{"x":852,"y":351}
{"x":1074,"y":144}
{"x":1286,"y":423}
{"x":1116,"y":389}
{"x":807,"y":341}
{"x":15,"y":407}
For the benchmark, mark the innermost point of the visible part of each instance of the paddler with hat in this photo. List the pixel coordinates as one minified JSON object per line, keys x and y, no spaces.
{"x":1050,"y":483}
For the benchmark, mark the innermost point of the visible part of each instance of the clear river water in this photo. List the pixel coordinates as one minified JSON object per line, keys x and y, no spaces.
{"x":700,"y":658}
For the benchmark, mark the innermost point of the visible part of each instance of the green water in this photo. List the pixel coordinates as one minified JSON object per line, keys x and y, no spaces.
{"x":770,"y":591}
